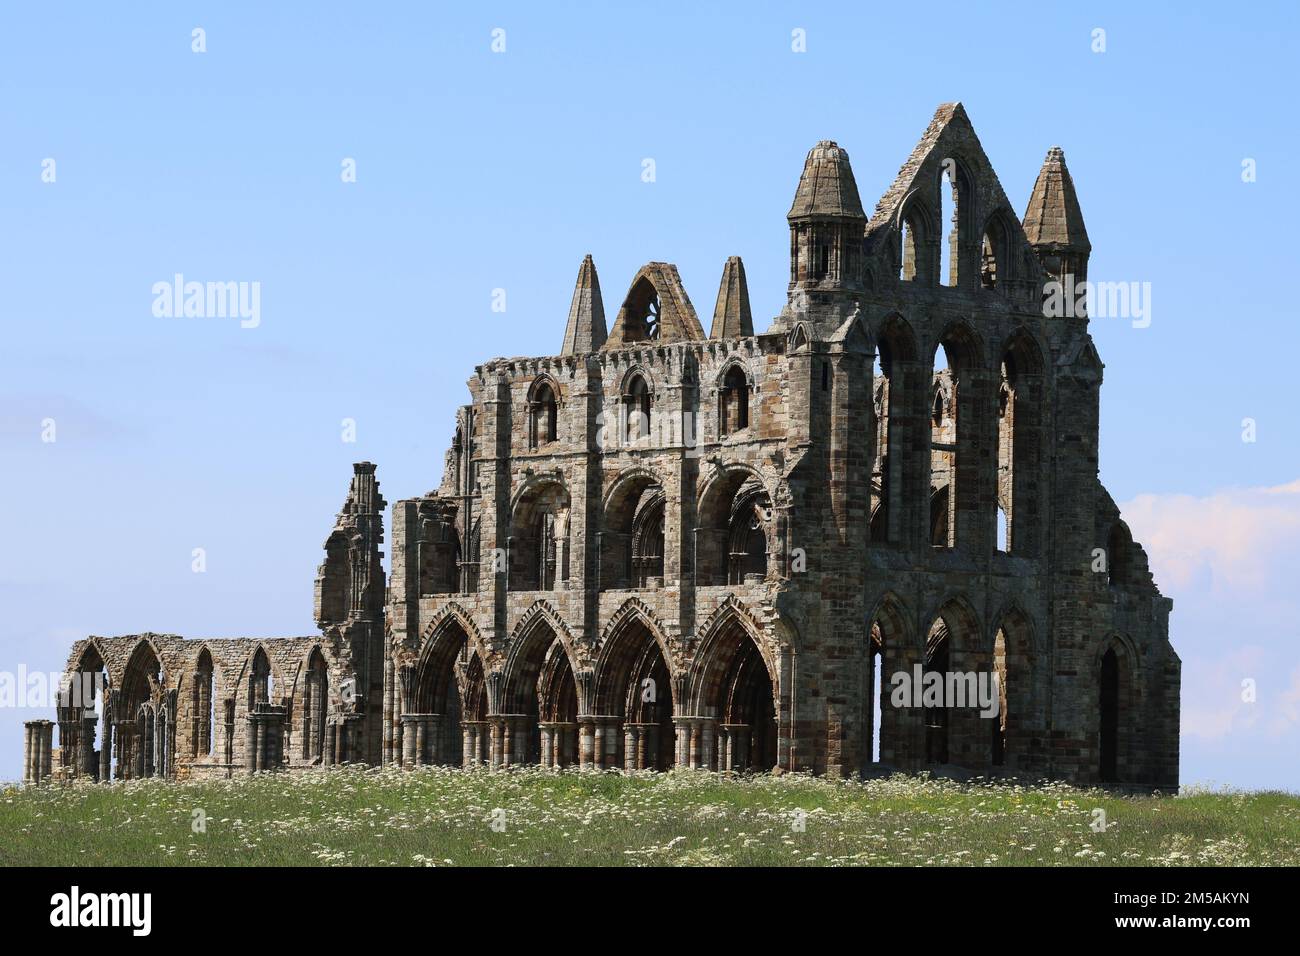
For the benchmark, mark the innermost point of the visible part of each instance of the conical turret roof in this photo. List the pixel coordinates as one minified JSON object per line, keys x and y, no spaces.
{"x":586,"y":331}
{"x":827,"y":187}
{"x":1053,"y":219}
{"x":731,"y":316}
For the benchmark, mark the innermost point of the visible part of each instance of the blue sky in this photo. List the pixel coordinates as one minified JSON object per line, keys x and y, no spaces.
{"x":479,"y":170}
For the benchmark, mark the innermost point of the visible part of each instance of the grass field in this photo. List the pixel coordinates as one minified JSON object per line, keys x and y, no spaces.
{"x":445,"y":817}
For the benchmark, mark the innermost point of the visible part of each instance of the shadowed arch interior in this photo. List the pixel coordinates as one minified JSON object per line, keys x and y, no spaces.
{"x":736,"y":687}
{"x":539,"y":685}
{"x":632,"y":546}
{"x":633,"y":683}
{"x":734,"y":522}
{"x":315,"y":706}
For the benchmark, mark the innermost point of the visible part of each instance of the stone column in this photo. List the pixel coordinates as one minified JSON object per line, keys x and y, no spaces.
{"x":548,"y":757}
{"x":331,"y":742}
{"x":29,"y":753}
{"x":509,"y":742}
{"x":387,"y":756}
{"x":498,"y":751}
{"x":600,"y":745}
{"x":259,"y":744}
{"x":586,"y":745}
{"x":250,"y":745}
{"x":37,"y":763}
{"x":87,"y":763}
{"x":421,"y":739}
{"x":106,"y":749}
{"x":47,"y":749}
{"x":471,"y":757}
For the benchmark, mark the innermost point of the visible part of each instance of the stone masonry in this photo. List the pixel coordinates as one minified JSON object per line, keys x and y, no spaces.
{"x":661,"y":548}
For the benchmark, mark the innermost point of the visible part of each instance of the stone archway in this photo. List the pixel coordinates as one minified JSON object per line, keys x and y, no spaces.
{"x":735,"y":700}
{"x":632,"y":721}
{"x":539,"y":697}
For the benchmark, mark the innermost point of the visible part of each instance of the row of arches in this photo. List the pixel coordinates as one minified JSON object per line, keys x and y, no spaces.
{"x":962,"y":408}
{"x":733,"y":534}
{"x":141,"y":727}
{"x":732,"y":391}
{"x":940,"y":241}
{"x":1014,"y":739}
{"x":628,"y":711}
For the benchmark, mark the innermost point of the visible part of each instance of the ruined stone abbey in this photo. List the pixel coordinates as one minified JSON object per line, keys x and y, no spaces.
{"x":664,"y":548}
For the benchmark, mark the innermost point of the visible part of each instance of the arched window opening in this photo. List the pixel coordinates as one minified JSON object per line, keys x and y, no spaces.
{"x":949,"y":218}
{"x":1108,"y":742}
{"x":260,"y":684}
{"x":315,"y":707}
{"x":876,"y":668}
{"x":936,"y":717}
{"x":953,"y":191}
{"x":988,"y":264}
{"x":889,"y":649}
{"x":539,"y":540}
{"x":542,"y":416}
{"x":994,"y":255}
{"x":734,"y":525}
{"x":641,"y":313}
{"x":631,"y":545}
{"x":747,"y":537}
{"x":1018,"y":442}
{"x":734,"y":404}
{"x":954,"y":455}
{"x":879,"y":527}
{"x":646,"y":569}
{"x":914,"y":260}
{"x":202,"y":707}
{"x":943,"y":455}
{"x":895,"y":422}
{"x":907,"y":253}
{"x":1003,"y":529}
{"x":998,"y":724}
{"x":637,"y":407}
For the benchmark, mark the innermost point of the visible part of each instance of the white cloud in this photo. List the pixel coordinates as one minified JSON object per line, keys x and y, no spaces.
{"x":1231,"y":542}
{"x":1229,"y":560}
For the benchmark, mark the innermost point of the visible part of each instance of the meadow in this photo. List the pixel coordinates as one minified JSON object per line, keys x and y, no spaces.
{"x":530,"y":817}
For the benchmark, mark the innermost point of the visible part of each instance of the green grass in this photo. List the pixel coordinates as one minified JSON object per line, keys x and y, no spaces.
{"x":437,"y":816}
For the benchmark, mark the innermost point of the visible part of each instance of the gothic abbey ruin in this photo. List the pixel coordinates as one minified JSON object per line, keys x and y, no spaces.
{"x":663,"y":548}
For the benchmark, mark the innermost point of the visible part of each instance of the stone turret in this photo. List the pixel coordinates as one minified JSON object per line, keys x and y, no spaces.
{"x":586,"y":330}
{"x":827,"y":228}
{"x":1054,"y":222}
{"x":731,"y":316}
